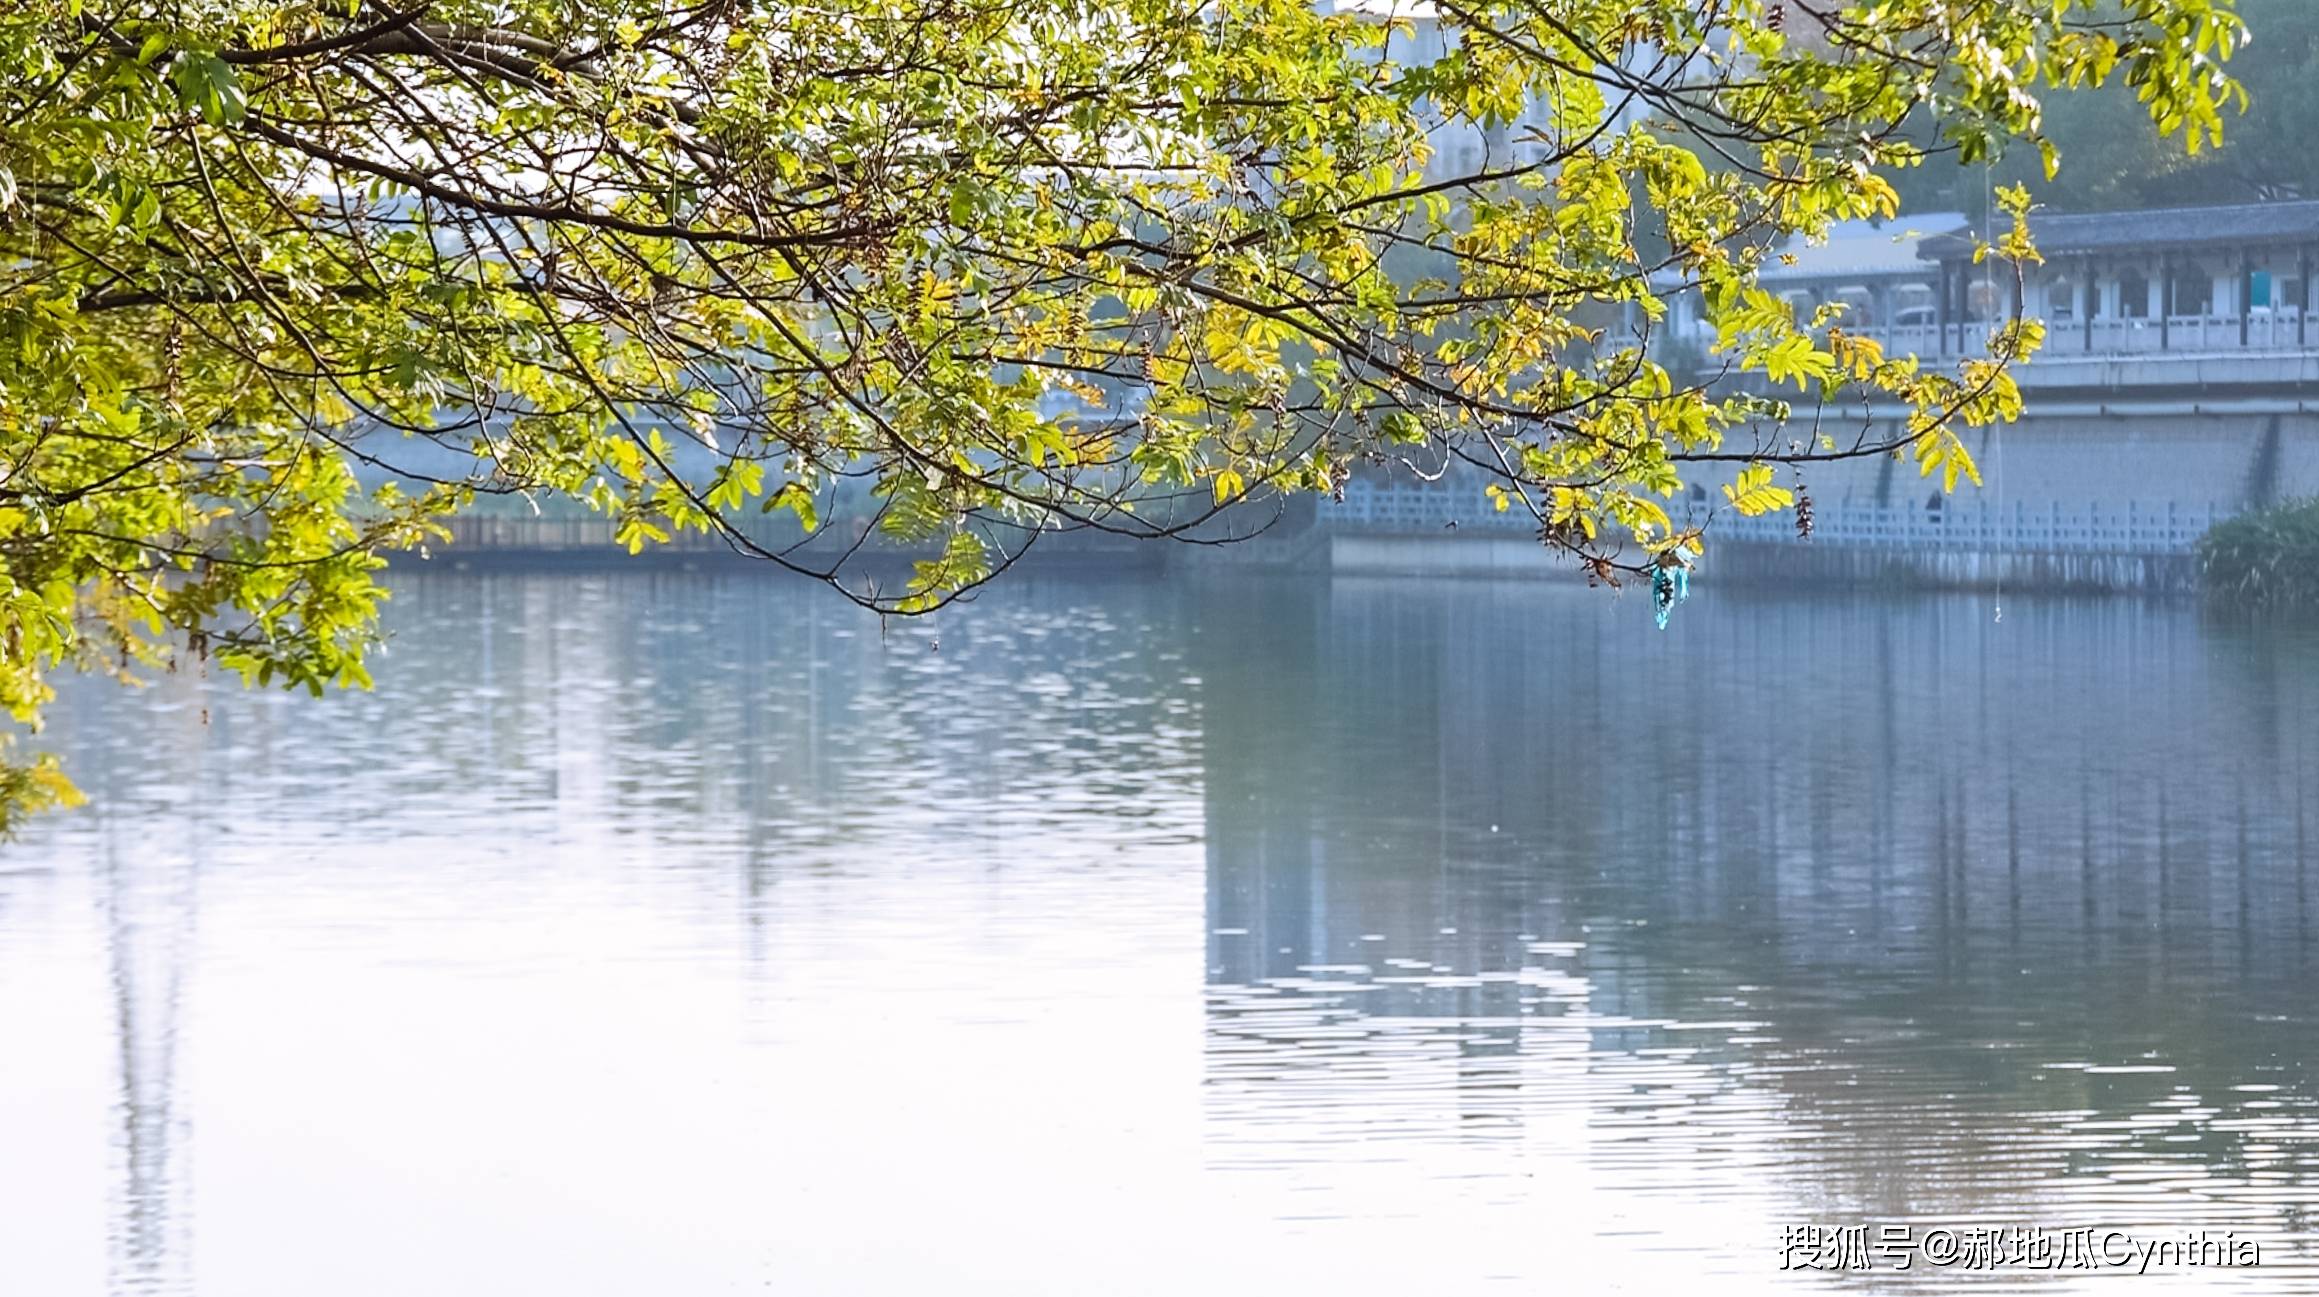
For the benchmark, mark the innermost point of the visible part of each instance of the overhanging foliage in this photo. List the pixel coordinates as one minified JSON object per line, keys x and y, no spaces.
{"x":1013,"y":267}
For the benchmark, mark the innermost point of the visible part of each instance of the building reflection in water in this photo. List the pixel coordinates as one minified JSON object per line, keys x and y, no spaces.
{"x":1529,"y":934}
{"x":146,"y":894}
{"x":1910,"y":914}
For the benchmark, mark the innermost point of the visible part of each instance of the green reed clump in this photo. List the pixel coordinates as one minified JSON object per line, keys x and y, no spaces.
{"x":2268,"y":558}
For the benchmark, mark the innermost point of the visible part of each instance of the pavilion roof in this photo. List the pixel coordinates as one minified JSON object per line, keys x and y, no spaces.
{"x":2152,"y":228}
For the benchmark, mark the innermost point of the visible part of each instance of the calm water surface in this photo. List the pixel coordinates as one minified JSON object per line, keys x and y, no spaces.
{"x":672,"y":934}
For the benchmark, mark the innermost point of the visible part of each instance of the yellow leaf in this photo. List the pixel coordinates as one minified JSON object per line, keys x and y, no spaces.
{"x":1754,"y":493}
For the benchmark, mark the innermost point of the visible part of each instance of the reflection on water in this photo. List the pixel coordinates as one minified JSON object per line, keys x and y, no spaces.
{"x":147,"y":915}
{"x":693,"y":933}
{"x":1823,"y":912}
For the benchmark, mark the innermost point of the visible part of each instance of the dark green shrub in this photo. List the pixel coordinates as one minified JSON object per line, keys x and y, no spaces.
{"x":2267,"y":558}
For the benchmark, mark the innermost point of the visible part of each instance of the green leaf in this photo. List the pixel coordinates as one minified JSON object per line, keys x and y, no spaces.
{"x":1755,"y":493}
{"x":209,"y":83}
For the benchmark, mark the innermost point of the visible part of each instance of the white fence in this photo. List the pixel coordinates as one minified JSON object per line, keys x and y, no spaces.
{"x":2203,"y":334}
{"x":1961,"y":523}
{"x":2134,"y":527}
{"x":1415,"y":507}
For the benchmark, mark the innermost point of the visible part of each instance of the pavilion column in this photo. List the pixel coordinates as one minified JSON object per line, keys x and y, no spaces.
{"x":2246,"y":293}
{"x":2089,"y":295}
{"x":2303,"y":281}
{"x":1962,"y":288}
{"x":1941,"y":304}
{"x":2165,"y":299}
{"x":1961,"y":295}
{"x":1953,"y":311}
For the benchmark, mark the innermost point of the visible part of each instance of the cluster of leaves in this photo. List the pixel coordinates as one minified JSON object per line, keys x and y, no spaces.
{"x":283,"y":283}
{"x":2267,"y":558}
{"x":2112,"y":160}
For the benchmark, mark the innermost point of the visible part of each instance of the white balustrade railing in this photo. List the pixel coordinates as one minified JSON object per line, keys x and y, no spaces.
{"x":2204,"y":335}
{"x":1419,"y":507}
{"x":2131,"y":527}
{"x":1961,"y":523}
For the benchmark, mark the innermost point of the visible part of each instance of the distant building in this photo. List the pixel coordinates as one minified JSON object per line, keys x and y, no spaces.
{"x":1874,"y":267}
{"x":2180,"y":279}
{"x":2186,"y":298}
{"x":1460,"y":145}
{"x":2178,"y":385}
